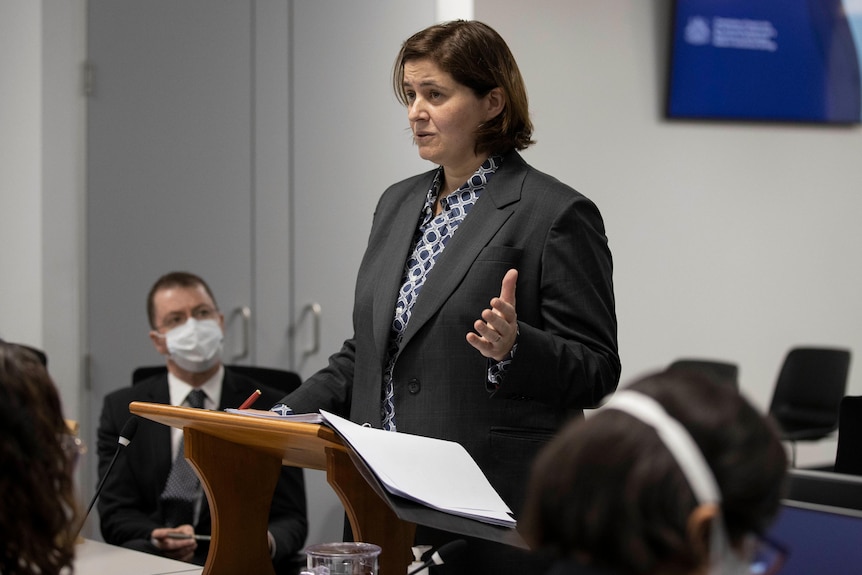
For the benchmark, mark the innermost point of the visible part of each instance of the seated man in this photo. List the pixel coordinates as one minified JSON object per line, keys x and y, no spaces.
{"x":140,"y":507}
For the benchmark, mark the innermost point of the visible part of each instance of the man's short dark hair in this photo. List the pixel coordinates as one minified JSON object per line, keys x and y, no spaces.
{"x":173,"y":280}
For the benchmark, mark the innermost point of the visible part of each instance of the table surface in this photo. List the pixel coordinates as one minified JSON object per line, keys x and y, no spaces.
{"x":97,"y":558}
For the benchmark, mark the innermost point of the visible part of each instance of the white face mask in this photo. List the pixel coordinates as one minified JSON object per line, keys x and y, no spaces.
{"x":196,"y":345}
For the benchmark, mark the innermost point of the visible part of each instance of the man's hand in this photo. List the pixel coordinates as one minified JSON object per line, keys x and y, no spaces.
{"x":176,"y":542}
{"x":498,"y":327}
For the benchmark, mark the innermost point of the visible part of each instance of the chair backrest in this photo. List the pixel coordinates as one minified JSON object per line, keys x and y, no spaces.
{"x":40,"y":355}
{"x":720,"y":371}
{"x":809,"y":389}
{"x":280,"y":379}
{"x":146,"y":372}
{"x":848,"y":456}
{"x":43,"y":357}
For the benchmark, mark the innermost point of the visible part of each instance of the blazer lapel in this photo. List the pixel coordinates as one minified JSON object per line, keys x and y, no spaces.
{"x":396,"y":249}
{"x":495,"y":206}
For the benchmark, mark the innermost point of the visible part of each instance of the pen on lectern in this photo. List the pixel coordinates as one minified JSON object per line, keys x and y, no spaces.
{"x":196,"y":536}
{"x":251,"y":399}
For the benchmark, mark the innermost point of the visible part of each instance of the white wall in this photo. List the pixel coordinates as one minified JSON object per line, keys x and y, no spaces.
{"x":20,"y":177}
{"x":63,"y":191}
{"x":42,"y":146}
{"x":730,"y":241}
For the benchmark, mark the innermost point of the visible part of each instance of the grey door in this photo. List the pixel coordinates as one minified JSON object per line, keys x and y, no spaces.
{"x":351,"y":140}
{"x":248,"y":142}
{"x":169,"y":156}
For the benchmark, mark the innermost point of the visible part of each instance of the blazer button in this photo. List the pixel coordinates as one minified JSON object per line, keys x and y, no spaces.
{"x":413,"y":386}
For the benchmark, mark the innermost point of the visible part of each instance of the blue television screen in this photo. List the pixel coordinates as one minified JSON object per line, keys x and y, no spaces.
{"x":767,"y":60}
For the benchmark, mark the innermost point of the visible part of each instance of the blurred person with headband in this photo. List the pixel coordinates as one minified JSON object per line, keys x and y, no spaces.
{"x":675,"y":475}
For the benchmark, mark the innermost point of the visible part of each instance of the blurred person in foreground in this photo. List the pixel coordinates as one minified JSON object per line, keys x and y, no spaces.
{"x":675,"y":475}
{"x":39,"y":512}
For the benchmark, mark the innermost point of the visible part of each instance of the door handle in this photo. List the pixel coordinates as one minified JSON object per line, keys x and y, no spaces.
{"x":245,"y":313}
{"x":315,"y":311}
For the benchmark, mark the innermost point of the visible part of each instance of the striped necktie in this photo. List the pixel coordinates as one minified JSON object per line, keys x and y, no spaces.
{"x":182,"y":488}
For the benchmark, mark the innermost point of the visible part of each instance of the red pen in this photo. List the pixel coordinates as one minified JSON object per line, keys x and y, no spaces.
{"x":251,"y":399}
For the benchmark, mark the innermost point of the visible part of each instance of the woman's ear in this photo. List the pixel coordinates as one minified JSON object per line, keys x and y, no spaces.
{"x":699,"y":528}
{"x":495,"y":102}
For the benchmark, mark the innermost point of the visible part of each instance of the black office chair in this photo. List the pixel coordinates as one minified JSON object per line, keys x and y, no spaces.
{"x":282,"y":380}
{"x":808,"y":392}
{"x":718,"y":371}
{"x":40,"y":355}
{"x":848,"y":456}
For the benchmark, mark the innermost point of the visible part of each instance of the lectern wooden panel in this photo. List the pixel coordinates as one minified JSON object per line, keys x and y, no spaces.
{"x":238,"y":459}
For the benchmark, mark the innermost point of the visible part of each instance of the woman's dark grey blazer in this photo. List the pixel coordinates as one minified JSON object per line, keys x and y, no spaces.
{"x":566,"y":357}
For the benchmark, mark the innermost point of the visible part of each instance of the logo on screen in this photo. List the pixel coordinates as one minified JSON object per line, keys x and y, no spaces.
{"x":697,"y":31}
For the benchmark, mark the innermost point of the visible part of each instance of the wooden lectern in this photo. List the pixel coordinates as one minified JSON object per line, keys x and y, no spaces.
{"x":238,"y":459}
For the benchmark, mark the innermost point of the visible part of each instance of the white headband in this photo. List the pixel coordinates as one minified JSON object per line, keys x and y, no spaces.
{"x":675,"y":437}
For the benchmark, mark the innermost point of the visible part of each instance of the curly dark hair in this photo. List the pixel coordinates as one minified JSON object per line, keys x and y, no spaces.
{"x":39,"y":513}
{"x":476,"y":56}
{"x":608,"y":488}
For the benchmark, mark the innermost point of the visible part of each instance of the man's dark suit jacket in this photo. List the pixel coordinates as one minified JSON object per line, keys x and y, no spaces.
{"x":129,"y":504}
{"x":566,"y":357}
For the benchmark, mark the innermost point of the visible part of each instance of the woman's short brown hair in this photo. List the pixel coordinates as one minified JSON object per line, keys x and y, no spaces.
{"x":475,"y":55}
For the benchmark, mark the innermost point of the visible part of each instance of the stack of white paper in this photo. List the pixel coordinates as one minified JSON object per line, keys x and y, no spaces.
{"x":296,"y":417}
{"x":438,"y":473}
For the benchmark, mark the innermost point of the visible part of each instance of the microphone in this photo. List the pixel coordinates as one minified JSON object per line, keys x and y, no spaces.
{"x":126,"y":436}
{"x":446,"y":553}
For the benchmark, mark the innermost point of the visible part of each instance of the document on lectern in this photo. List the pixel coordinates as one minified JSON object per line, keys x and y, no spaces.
{"x":434,"y":472}
{"x":294,"y":417}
